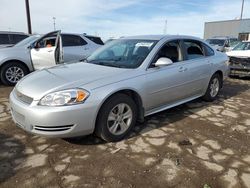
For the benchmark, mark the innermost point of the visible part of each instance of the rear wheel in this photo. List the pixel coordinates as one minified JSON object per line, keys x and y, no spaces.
{"x":116,"y":118}
{"x":12,"y":72}
{"x":214,"y":87}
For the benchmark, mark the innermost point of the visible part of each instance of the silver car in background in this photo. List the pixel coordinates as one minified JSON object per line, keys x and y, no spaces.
{"x":10,"y":38}
{"x":119,"y":84}
{"x":38,"y":52}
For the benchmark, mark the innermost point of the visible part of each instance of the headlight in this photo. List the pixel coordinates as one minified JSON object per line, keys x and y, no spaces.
{"x":65,"y":97}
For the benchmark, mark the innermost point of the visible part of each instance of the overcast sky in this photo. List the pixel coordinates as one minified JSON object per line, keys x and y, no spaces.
{"x":114,"y":18}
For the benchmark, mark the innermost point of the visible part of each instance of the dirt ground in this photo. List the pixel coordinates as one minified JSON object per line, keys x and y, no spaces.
{"x":198,"y":144}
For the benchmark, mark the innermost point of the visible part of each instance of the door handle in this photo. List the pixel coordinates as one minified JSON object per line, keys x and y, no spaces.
{"x":49,"y":50}
{"x":182,"y":69}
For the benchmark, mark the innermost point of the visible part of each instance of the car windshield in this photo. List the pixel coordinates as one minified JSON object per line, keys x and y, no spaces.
{"x":219,"y":42}
{"x":123,"y":53}
{"x":28,"y":40}
{"x":242,"y":46}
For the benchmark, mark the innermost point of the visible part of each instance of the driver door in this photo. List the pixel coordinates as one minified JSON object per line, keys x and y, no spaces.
{"x":167,"y":85}
{"x":47,"y":51}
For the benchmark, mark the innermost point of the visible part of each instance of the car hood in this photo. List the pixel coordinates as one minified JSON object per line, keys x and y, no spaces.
{"x":11,"y":48}
{"x":14,"y":52}
{"x":236,"y":53}
{"x":45,"y":81}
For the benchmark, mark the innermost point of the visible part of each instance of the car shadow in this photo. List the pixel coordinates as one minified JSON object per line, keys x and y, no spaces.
{"x":11,"y":155}
{"x":231,"y":89}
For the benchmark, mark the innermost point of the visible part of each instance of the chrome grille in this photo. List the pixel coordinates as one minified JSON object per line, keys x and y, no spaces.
{"x":23,"y":98}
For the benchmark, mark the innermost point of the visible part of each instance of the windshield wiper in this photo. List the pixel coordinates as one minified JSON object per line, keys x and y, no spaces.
{"x":108,"y":64}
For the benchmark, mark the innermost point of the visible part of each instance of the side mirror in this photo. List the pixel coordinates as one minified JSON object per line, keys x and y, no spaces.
{"x":163,"y":61}
{"x":33,"y":45}
{"x":227,"y":45}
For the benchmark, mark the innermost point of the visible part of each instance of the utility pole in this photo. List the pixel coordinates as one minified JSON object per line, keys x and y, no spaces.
{"x":242,"y":8}
{"x":165,"y":27}
{"x":28,"y":16}
{"x":54,"y":23}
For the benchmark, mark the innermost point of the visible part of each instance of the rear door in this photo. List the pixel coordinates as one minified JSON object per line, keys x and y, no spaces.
{"x":74,"y":47}
{"x":47,"y":51}
{"x":197,"y":62}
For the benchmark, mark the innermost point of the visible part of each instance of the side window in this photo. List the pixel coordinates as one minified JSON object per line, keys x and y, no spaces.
{"x":72,"y":40}
{"x":170,"y":50}
{"x":208,"y":51}
{"x":47,"y":42}
{"x":4,"y":39}
{"x":193,"y":49}
{"x":15,"y":38}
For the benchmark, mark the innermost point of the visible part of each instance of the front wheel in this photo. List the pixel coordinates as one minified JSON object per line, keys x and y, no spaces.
{"x":116,"y":118}
{"x":12,"y":72}
{"x":213,"y":89}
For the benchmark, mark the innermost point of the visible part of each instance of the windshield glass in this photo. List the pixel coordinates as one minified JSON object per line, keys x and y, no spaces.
{"x":242,"y":46}
{"x":124,"y":53}
{"x":219,"y":42}
{"x":28,"y":40}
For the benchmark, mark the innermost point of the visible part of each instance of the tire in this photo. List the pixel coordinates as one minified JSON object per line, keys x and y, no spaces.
{"x":12,"y":67}
{"x":105,"y":128}
{"x":213,"y":89}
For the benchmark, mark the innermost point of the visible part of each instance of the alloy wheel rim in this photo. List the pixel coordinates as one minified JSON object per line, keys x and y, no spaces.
{"x":14,"y":74}
{"x":119,"y":119}
{"x":214,"y":87}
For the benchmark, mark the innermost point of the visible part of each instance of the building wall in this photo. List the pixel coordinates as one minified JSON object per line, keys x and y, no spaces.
{"x":226,"y":28}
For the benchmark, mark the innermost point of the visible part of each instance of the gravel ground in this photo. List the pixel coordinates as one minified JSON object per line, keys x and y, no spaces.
{"x":192,"y":145}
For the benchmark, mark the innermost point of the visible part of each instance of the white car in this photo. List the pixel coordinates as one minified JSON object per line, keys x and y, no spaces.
{"x":242,"y":50}
{"x":239,"y":59}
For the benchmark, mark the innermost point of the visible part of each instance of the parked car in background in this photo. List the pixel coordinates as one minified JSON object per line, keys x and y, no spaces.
{"x":36,"y":53}
{"x":120,"y":83}
{"x":240,"y":59}
{"x":8,"y":38}
{"x":223,"y":44}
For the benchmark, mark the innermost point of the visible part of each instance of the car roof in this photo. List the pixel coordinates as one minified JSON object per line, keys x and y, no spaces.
{"x":160,"y":37}
{"x":81,"y":34}
{"x":223,"y":38}
{"x":13,"y":32}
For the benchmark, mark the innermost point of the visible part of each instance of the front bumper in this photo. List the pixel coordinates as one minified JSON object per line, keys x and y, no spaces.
{"x":239,"y":71}
{"x":62,"y":122}
{"x":239,"y":67}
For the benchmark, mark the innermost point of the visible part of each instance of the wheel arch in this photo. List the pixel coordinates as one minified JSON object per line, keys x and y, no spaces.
{"x":15,"y":60}
{"x":220,"y":73}
{"x":134,"y":96}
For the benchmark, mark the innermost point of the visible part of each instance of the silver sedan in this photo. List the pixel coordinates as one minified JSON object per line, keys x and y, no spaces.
{"x":118,"y":85}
